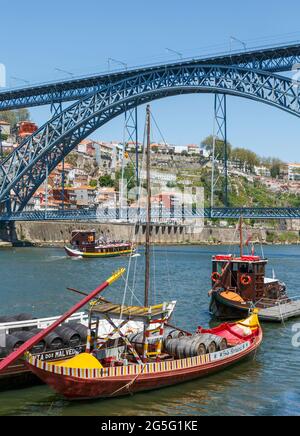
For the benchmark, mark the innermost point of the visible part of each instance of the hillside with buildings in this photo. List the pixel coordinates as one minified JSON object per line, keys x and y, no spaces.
{"x":90,"y":174}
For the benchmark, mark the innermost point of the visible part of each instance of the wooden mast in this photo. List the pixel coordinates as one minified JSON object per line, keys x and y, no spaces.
{"x":148,"y":218}
{"x":241,"y":236}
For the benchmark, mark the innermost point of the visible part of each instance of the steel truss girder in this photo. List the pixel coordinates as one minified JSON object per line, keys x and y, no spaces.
{"x":276,"y":59}
{"x":220,"y":133}
{"x":131,"y":135}
{"x":115,"y":214}
{"x":25,"y":169}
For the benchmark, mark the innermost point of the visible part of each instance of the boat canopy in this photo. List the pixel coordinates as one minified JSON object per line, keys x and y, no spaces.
{"x":104,"y":308}
{"x":243,"y":259}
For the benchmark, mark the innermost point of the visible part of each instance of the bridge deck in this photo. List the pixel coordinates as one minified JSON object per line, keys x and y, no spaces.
{"x":281,"y":312}
{"x":272,"y":59}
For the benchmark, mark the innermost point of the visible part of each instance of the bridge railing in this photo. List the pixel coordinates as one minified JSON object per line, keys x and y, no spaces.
{"x":133,"y":215}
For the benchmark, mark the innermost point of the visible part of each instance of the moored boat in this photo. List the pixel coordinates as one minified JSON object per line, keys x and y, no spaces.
{"x":86,"y":377}
{"x":239,"y":284}
{"x":15,"y":330}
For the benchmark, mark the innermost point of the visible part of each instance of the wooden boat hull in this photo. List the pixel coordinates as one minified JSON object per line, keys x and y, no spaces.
{"x":17,"y":376}
{"x":225,"y":309}
{"x":85,"y":255}
{"x":76,"y":388}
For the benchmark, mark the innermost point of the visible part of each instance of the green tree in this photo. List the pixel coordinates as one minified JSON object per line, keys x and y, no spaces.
{"x":16,"y":116}
{"x":129,"y":175}
{"x":276,"y":168}
{"x":219,"y":147}
{"x":93,"y":183}
{"x":106,"y":181}
{"x":245,"y":157}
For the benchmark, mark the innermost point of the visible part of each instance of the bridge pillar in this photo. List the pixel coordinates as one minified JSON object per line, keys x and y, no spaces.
{"x":220,"y":134}
{"x":131,"y":135}
{"x":56,"y":109}
{"x":1,"y":146}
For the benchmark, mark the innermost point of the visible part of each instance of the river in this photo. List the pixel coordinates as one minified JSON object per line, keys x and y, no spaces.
{"x":34,"y":280}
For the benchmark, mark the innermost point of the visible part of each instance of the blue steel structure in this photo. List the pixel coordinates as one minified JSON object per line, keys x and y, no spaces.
{"x":114,"y":214}
{"x":220,"y":134}
{"x":105,"y":97}
{"x":272,"y":59}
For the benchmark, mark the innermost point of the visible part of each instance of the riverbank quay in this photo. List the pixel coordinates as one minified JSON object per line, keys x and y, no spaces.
{"x":57,"y":233}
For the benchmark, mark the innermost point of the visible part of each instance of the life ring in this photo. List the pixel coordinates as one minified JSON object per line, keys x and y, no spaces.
{"x":246,"y":280}
{"x":215,"y":276}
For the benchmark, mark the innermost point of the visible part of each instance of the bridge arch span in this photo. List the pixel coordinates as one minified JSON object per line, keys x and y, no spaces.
{"x":25,"y":169}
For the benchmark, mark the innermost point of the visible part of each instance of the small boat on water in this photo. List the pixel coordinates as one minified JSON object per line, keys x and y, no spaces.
{"x":239,"y":284}
{"x":84,"y":245}
{"x":156,"y":355}
{"x":122,"y":369}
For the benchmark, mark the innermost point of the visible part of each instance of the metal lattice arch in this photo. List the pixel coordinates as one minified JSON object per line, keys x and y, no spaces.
{"x":25,"y":169}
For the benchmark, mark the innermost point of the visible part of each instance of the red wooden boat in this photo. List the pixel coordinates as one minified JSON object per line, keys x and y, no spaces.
{"x":83,"y":377}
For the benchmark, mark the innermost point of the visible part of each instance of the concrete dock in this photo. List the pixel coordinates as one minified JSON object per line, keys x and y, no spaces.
{"x":281,"y":312}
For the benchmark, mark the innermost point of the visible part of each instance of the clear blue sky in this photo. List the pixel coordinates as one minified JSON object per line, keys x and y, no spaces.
{"x":37,"y":37}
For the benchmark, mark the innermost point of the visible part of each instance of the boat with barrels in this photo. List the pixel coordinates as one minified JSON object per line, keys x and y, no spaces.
{"x":157,"y":358}
{"x":84,"y":245}
{"x":66,"y":341}
{"x":156,"y":355}
{"x":239,"y":284}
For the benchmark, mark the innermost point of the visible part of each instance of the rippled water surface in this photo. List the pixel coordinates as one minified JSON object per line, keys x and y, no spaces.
{"x":34,"y":280}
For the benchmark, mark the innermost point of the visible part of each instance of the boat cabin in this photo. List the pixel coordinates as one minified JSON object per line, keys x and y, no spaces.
{"x":245,"y":276}
{"x":84,"y":240}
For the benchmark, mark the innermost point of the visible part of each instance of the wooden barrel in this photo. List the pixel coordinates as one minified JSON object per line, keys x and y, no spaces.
{"x":221,"y":343}
{"x":69,"y":336}
{"x":137,"y":340}
{"x":13,"y":342}
{"x":195,"y":345}
{"x":186,"y":346}
{"x":81,"y":329}
{"x":3,"y":352}
{"x":25,"y":336}
{"x":172,"y":333}
{"x":5,"y":319}
{"x":53,"y":340}
{"x":24,"y":317}
{"x":209,"y":341}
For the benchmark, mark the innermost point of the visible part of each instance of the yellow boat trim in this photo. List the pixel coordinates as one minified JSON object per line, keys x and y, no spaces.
{"x":92,"y":373}
{"x":115,"y":253}
{"x":252,"y":322}
{"x":82,"y":361}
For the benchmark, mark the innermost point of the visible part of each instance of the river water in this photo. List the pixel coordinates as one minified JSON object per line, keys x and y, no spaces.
{"x":34,"y":280}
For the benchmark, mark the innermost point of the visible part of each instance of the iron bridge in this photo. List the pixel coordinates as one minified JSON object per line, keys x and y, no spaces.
{"x":252,"y":75}
{"x":115,"y":215}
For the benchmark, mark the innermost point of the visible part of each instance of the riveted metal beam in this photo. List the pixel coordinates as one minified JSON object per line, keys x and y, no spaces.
{"x":25,"y":169}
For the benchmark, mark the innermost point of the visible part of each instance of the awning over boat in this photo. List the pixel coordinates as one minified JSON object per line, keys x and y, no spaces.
{"x":103,"y":307}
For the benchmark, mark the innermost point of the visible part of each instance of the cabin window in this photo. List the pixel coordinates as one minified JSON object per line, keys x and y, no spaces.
{"x":244,"y":268}
{"x":261,"y":269}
